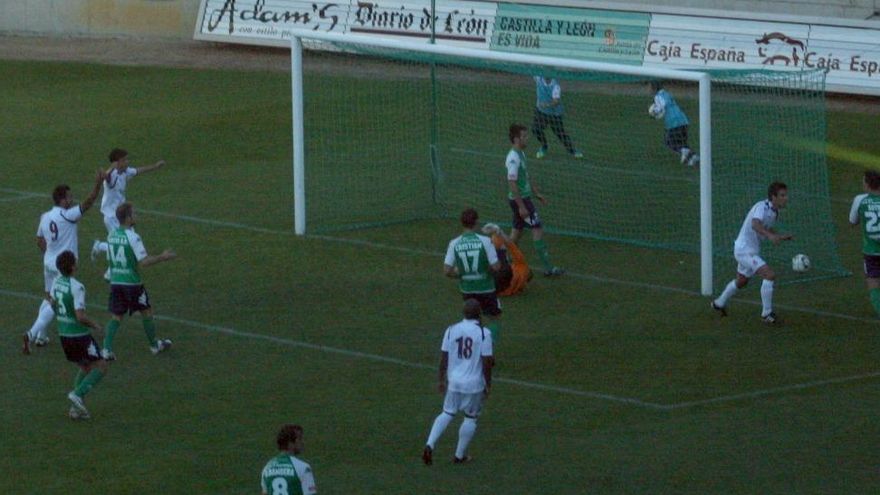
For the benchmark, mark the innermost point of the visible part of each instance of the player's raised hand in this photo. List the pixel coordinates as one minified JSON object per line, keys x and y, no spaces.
{"x":100,"y":175}
{"x":168,"y":254}
{"x":160,"y":164}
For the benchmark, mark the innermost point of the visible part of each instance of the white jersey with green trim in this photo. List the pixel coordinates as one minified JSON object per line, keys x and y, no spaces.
{"x":284,"y":474}
{"x":125,"y":250}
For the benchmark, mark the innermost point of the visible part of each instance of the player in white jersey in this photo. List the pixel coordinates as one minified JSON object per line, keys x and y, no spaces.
{"x":285,"y":473}
{"x":757,"y":226}
{"x":115,"y":184}
{"x":466,"y":362}
{"x":56,"y":233}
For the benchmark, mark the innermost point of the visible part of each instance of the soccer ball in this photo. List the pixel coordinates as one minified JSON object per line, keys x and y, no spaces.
{"x":800,"y":263}
{"x":656,"y":112}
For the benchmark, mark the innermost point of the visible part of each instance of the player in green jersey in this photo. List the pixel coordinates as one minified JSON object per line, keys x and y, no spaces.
{"x":127,"y":256}
{"x":285,"y":474}
{"x":865,"y":211}
{"x":525,"y":215}
{"x":74,"y":327}
{"x":469,"y":258}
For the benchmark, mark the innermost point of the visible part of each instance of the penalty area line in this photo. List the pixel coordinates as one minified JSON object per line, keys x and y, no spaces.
{"x":374,"y":357}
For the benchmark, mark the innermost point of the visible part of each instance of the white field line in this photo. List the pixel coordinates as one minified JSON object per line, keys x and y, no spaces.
{"x":595,"y":278}
{"x":373,"y":357}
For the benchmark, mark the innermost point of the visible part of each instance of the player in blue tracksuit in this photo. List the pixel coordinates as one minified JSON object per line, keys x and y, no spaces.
{"x":676,"y":124}
{"x":548,"y":111}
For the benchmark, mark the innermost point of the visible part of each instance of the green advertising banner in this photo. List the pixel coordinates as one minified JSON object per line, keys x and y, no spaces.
{"x":599,"y":35}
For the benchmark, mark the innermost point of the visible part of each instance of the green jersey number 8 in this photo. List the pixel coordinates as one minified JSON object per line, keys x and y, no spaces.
{"x":279,"y":487}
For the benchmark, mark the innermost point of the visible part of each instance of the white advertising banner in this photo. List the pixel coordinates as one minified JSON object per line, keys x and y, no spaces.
{"x":268,"y":22}
{"x":849,"y":56}
{"x":707,"y":43}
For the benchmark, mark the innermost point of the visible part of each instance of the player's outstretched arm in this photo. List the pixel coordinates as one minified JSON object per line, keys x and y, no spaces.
{"x":150,"y":168}
{"x":93,"y":194}
{"x":166,"y":255}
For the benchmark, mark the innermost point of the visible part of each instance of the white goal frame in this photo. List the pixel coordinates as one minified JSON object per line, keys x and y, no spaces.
{"x":705,"y":104}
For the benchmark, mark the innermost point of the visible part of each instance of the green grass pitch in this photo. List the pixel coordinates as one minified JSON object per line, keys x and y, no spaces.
{"x":615,"y":379}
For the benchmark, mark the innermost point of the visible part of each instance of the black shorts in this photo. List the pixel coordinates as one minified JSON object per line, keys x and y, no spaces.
{"x":81,"y":350}
{"x":519,"y":223}
{"x":489,"y":303}
{"x":128,"y":298}
{"x":677,"y":138}
{"x":872,"y":266}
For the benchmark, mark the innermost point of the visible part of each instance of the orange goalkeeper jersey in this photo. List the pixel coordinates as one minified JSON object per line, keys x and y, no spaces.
{"x":520,"y":271}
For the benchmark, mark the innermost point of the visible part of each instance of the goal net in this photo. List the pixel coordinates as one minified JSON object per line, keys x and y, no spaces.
{"x":401,"y":135}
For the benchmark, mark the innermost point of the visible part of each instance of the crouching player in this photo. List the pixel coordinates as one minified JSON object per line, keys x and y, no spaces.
{"x":80,"y":347}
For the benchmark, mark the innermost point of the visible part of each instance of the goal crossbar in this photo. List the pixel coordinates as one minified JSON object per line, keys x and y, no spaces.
{"x":701,"y":78}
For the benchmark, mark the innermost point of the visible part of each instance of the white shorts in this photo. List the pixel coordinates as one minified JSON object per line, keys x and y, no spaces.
{"x":50,"y":273}
{"x":747,"y":264}
{"x":111,"y":223}
{"x":470,"y":404}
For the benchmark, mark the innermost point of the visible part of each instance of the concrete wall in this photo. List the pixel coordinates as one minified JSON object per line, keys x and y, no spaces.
{"x":175,"y":19}
{"x":99,"y":18}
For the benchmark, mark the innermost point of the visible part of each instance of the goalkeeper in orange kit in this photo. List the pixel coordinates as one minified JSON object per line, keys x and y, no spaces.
{"x":515,"y":273}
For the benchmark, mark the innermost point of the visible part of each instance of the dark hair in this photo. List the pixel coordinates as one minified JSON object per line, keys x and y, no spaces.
{"x":469,"y":218}
{"x":515,"y":131}
{"x":65,"y":263}
{"x":872,"y":179}
{"x":117,"y":154}
{"x":774,"y":189}
{"x":656,"y":85}
{"x":59,"y":193}
{"x":123,"y":211}
{"x":471,"y":309}
{"x":287,"y":434}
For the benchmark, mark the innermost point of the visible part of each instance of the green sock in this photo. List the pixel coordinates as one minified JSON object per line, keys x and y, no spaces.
{"x":150,"y":330}
{"x":541,"y":248}
{"x":494,"y":327}
{"x":110,"y":333}
{"x":89,"y":382}
{"x":79,"y":378}
{"x":875,"y":299}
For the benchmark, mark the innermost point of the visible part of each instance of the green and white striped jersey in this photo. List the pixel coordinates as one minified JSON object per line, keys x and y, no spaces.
{"x":866,"y":210}
{"x":69,"y":295}
{"x":284,"y":474}
{"x":472,"y":254}
{"x":516,"y":171}
{"x":125,"y":250}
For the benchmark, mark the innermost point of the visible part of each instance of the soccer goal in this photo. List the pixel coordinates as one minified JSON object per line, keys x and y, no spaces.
{"x":388,"y":131}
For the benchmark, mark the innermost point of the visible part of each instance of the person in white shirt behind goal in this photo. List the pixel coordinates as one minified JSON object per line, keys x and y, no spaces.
{"x":757,"y":226}
{"x":57,"y":233}
{"x":466,"y":362}
{"x":115,"y":184}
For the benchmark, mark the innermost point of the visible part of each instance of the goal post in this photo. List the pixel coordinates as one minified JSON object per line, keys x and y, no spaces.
{"x":391,"y":131}
{"x":705,"y":114}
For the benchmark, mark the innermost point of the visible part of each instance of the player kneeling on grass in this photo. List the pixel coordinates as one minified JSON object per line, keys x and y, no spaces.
{"x":127,"y":255}
{"x":747,"y":249}
{"x":866,"y":211}
{"x":465,"y":377}
{"x":514,"y":274}
{"x":69,"y":301}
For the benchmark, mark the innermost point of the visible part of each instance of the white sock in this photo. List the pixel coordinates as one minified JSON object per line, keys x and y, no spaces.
{"x":44,"y":319}
{"x":728,"y":292}
{"x":439,"y":427}
{"x":767,"y":297}
{"x":103,"y":247}
{"x":465,"y":434}
{"x":684,"y":153}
